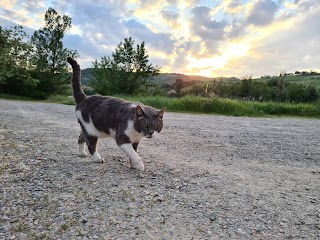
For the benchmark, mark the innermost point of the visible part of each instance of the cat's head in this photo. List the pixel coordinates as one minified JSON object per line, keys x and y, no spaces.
{"x":148,"y":120}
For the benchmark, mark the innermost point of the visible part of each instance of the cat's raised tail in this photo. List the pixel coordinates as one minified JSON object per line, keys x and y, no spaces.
{"x":78,"y":93}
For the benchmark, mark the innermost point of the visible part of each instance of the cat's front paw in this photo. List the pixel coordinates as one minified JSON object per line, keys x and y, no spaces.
{"x":98,"y":160}
{"x":137,"y":165}
{"x":83,"y":154}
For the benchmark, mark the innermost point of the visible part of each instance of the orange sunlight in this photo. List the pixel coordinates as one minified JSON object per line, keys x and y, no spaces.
{"x":206,"y":66}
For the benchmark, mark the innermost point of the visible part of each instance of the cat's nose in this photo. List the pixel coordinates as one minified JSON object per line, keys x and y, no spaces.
{"x":150,"y":134}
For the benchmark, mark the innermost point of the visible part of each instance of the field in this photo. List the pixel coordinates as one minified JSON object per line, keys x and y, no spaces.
{"x":218,"y":106}
{"x":308,"y":80}
{"x":206,"y":177}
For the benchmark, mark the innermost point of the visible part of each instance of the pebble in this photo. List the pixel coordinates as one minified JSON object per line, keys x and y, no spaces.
{"x":84,"y":221}
{"x":212,"y":218}
{"x":241,"y":231}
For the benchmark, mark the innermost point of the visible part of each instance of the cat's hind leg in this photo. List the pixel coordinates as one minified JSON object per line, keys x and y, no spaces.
{"x":82,"y":142}
{"x":92,"y":146}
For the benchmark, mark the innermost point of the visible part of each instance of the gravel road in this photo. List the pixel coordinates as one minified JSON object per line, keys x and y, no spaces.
{"x":206,"y":177}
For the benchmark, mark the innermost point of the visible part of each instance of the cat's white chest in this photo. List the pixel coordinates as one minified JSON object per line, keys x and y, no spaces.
{"x":133,"y":135}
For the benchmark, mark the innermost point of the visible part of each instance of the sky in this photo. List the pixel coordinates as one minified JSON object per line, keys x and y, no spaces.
{"x":230,"y":38}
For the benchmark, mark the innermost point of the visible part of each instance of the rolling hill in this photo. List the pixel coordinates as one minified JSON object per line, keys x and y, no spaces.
{"x":164,"y":78}
{"x":189,"y":80}
{"x":299,"y":79}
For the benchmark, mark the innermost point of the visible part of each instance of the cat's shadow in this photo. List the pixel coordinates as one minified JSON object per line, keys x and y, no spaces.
{"x":113,"y":164}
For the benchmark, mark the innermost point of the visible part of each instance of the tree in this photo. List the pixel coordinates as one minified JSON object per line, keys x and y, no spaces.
{"x":49,"y":55}
{"x":245,"y":89}
{"x":126,"y":72}
{"x":178,"y":86}
{"x":15,"y":52}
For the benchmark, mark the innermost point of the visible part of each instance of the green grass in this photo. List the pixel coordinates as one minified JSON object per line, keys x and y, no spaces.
{"x":68,"y":100}
{"x":193,"y":104}
{"x":51,"y":99}
{"x":14,"y":97}
{"x":231,"y":107}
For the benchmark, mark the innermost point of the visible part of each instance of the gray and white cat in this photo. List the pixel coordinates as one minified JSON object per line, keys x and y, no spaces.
{"x":101,"y":117}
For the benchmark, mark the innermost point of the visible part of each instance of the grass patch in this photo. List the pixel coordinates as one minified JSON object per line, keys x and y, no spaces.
{"x":68,"y":100}
{"x":223,"y":106}
{"x":232,"y":107}
{"x":20,"y":227}
{"x":14,"y":97}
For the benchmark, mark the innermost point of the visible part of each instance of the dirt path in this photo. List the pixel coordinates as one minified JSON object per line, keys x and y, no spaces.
{"x":207,"y":177}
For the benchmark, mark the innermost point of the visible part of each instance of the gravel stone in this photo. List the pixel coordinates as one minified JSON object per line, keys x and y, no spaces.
{"x":206,"y":177}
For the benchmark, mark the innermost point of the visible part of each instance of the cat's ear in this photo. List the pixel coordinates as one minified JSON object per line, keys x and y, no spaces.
{"x":161,"y":112}
{"x":139,"y":112}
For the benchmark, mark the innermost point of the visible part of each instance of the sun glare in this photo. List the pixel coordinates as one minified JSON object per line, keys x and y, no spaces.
{"x":205,"y":66}
{"x":76,"y":30}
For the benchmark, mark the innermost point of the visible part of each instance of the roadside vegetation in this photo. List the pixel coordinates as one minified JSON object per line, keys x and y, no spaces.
{"x":216,"y":105}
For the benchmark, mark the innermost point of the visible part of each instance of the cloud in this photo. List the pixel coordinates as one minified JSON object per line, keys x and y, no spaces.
{"x":12,"y":15}
{"x":233,"y":7}
{"x":171,"y":18}
{"x":262,"y":13}
{"x":202,"y":25}
{"x":32,"y":5}
{"x":8,"y":4}
{"x":292,"y":46}
{"x":160,"y":41}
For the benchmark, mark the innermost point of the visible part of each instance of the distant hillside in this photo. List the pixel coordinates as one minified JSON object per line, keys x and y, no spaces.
{"x":298,"y":79}
{"x":170,"y":78}
{"x":164,"y":78}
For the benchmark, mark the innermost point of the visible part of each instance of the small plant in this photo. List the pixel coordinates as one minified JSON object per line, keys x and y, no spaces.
{"x":64,"y":227}
{"x":3,"y":167}
{"x":20,"y":227}
{"x":127,"y":195}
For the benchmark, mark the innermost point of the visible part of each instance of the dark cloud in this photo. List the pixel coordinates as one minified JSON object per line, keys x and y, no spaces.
{"x":307,"y":5}
{"x":262,"y":13}
{"x":170,"y":17}
{"x":6,"y":24}
{"x":181,"y":51}
{"x":203,"y":26}
{"x":101,"y":17}
{"x":86,"y":47}
{"x":159,"y":41}
{"x":210,"y":31}
{"x":233,"y":7}
{"x":17,"y":18}
{"x":234,"y":4}
{"x":237,"y":30}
